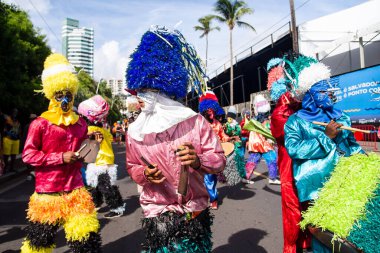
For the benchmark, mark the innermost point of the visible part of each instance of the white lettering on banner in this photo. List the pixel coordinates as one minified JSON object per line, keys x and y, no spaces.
{"x":357,"y":92}
{"x":366,"y":121}
{"x":374,"y":90}
{"x":363,"y":85}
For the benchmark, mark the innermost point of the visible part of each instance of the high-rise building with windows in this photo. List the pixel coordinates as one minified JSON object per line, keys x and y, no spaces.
{"x":78,"y":45}
{"x":116,"y":86}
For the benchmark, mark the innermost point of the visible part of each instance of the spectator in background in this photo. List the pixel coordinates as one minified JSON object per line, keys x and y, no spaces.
{"x":133,"y":107}
{"x":117,"y":129}
{"x":11,"y":140}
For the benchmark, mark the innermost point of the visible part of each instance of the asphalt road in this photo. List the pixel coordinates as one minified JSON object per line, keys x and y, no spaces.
{"x":248,"y":219}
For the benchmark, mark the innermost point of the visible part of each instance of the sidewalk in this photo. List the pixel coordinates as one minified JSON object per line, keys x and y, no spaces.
{"x":19,"y":169}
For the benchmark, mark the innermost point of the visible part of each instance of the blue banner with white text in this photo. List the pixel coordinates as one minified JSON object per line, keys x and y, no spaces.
{"x":359,"y":95}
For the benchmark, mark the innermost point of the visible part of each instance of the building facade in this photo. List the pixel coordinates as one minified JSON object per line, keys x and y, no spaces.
{"x":78,"y":45}
{"x":117,"y":88}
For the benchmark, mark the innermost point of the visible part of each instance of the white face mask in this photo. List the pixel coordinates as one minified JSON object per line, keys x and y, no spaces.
{"x":158,"y":114}
{"x":149,"y":99}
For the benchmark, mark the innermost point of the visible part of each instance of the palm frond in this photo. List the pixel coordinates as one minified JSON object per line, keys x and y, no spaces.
{"x":245,"y":24}
{"x":220,"y":18}
{"x":208,"y":18}
{"x":224,"y":8}
{"x":205,"y":25}
{"x":238,"y":5}
{"x":243,"y":11}
{"x":199,"y":28}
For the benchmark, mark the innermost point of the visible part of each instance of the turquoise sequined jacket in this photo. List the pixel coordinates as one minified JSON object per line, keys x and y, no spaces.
{"x":314,"y":154}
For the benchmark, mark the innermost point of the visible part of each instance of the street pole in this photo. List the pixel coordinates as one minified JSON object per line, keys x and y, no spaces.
{"x":97,"y":87}
{"x":294,"y":27}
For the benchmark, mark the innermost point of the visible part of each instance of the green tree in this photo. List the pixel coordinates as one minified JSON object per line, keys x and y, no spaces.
{"x":22,"y":53}
{"x":87,"y":86}
{"x":205,"y":28}
{"x":230,"y":12}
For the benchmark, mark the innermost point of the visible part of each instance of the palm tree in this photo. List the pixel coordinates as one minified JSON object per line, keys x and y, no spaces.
{"x":230,"y":12}
{"x":205,"y":27}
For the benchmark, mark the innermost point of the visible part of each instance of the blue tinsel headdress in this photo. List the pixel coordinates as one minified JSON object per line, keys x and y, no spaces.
{"x":208,"y":100}
{"x":166,"y":62}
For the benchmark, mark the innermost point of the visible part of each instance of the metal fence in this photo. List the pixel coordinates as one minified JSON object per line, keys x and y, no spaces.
{"x":367,"y":141}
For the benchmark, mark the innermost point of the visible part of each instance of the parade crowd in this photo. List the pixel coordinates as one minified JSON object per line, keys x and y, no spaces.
{"x":177,"y":156}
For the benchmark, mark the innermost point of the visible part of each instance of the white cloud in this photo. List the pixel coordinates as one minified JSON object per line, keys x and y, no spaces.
{"x":109,"y":62}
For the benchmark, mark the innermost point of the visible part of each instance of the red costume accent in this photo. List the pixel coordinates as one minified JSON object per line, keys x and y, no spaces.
{"x":244,"y":133}
{"x":291,"y":208}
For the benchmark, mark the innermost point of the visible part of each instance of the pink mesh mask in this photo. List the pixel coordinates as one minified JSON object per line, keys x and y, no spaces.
{"x":95,"y":109}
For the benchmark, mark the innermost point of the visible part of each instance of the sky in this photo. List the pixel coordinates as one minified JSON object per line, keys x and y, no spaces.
{"x":119,"y":24}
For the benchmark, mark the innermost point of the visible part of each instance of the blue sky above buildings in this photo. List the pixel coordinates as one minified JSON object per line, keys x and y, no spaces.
{"x":120,"y":24}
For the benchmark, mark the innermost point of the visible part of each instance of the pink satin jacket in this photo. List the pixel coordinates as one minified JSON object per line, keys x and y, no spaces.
{"x":159,"y":149}
{"x":44,"y":148}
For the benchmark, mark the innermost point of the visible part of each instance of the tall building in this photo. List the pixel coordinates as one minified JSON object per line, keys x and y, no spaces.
{"x":78,"y":45}
{"x":116,"y":86}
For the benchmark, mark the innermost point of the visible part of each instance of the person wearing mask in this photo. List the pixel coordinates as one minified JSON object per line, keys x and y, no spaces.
{"x":315,"y":149}
{"x":170,"y":147}
{"x":52,"y":148}
{"x":101,"y":175}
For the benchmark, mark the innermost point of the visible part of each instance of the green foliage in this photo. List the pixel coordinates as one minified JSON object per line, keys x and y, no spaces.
{"x":22,"y":53}
{"x":231,"y":12}
{"x":205,"y":25}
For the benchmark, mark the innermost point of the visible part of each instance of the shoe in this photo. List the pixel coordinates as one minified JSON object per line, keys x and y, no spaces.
{"x":214,"y":205}
{"x":112,"y":215}
{"x":274,"y":181}
{"x":246,"y":181}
